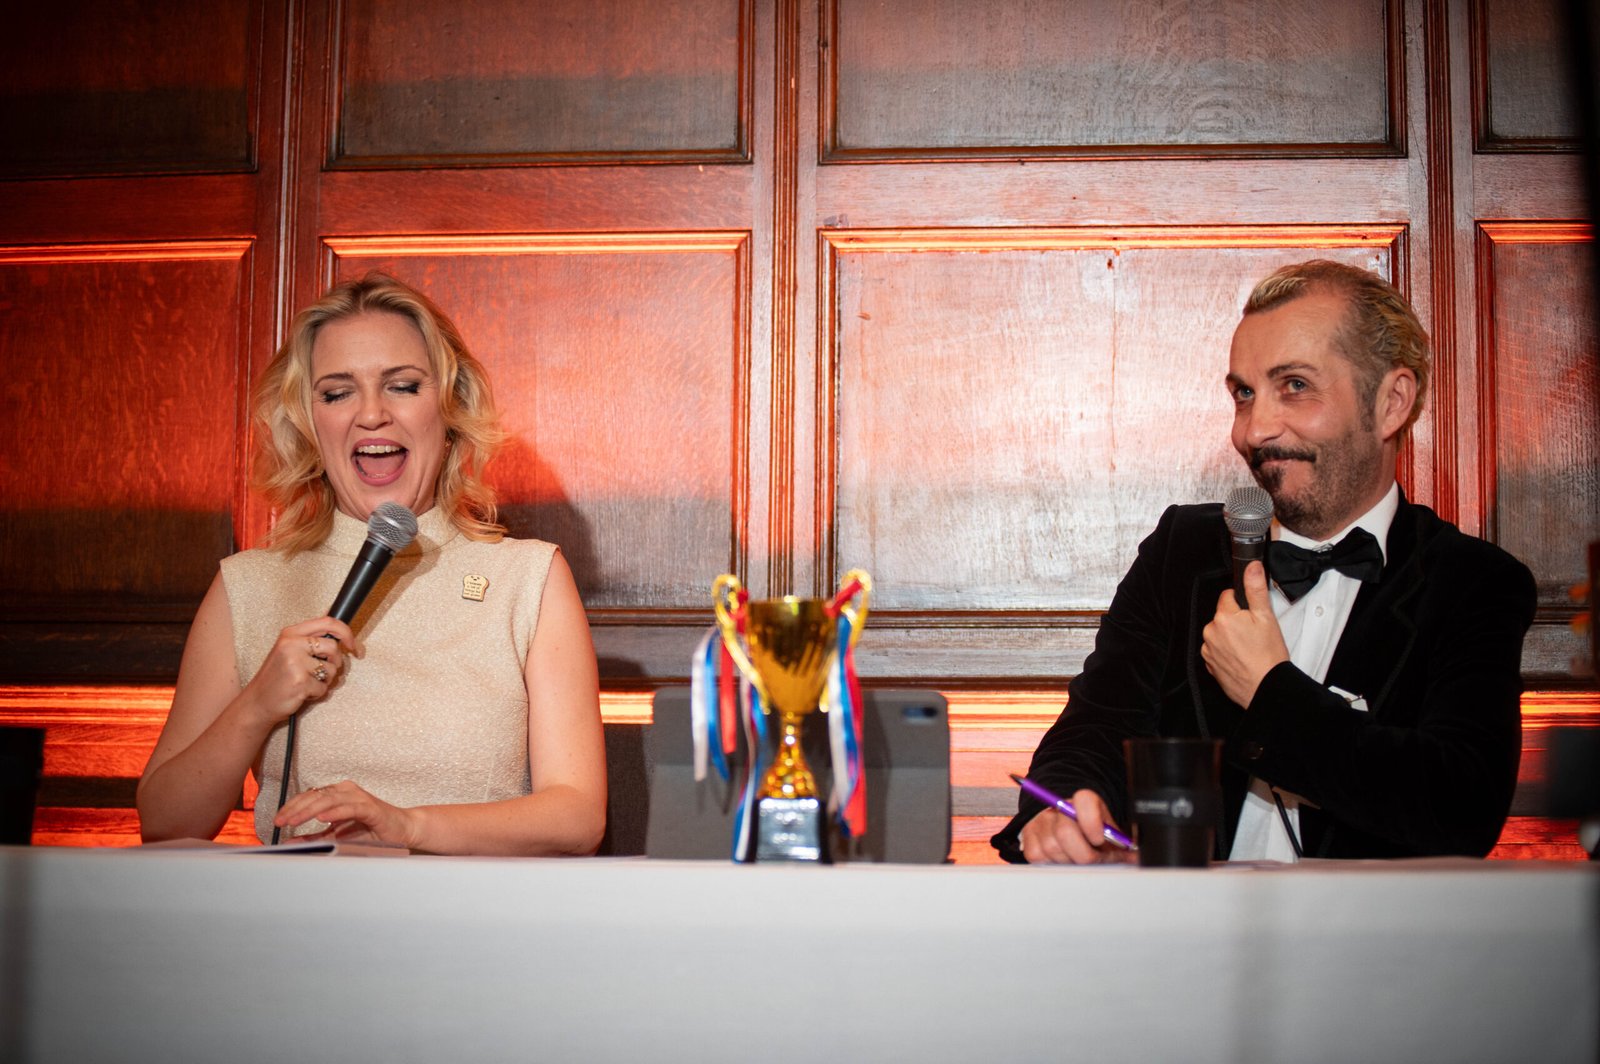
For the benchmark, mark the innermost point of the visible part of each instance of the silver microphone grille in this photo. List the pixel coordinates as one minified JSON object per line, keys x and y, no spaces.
{"x":392,"y":526}
{"x":1248,"y":511}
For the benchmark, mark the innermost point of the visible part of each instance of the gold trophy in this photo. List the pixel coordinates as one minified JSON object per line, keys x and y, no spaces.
{"x":791,"y":643}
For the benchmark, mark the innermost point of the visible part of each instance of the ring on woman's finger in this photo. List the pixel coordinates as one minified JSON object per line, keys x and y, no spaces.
{"x":320,"y":674}
{"x":312,"y":648}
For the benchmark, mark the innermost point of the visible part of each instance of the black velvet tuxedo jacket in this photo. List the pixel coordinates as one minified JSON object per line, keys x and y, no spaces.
{"x":1434,"y":647}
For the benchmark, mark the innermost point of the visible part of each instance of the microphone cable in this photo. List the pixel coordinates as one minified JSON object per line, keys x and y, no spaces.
{"x":390,"y":529}
{"x":1288,"y":829}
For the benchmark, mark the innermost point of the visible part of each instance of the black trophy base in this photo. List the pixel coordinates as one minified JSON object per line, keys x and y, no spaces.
{"x":791,"y":829}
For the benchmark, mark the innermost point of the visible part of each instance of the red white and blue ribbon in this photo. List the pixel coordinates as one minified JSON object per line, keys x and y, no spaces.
{"x":849,"y":796}
{"x":705,"y":710}
{"x":755,"y":733}
{"x":720,"y":700}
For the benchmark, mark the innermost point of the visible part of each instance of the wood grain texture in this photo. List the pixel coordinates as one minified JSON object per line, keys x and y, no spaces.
{"x":128,"y":209}
{"x":1114,"y":193}
{"x":1020,"y":77}
{"x":618,"y":364}
{"x":1439,"y":431}
{"x":1014,"y":115}
{"x":787,"y":351}
{"x":496,"y":81}
{"x":119,"y":421}
{"x":119,"y":86}
{"x":535,"y":200}
{"x":1013,"y":412}
{"x":1523,"y":76}
{"x":1522,"y":185}
{"x":1542,"y":400}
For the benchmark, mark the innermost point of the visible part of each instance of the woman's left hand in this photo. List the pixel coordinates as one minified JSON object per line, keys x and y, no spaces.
{"x":352,"y":815}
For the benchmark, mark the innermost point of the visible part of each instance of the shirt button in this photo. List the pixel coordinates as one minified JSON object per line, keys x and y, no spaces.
{"x":1253,"y":751}
{"x":1319,"y":611}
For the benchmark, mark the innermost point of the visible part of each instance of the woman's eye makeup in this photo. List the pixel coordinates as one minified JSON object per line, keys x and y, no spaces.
{"x":399,"y":387}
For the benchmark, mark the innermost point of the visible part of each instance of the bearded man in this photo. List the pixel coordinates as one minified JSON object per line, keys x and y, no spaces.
{"x":1368,"y":709}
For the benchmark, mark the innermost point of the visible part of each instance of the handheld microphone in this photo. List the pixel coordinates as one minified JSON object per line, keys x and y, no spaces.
{"x":390,"y":529}
{"x":1248,"y":515}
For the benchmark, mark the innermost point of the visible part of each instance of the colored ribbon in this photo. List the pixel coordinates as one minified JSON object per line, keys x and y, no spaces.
{"x":711,"y":712}
{"x":755,"y":765}
{"x":702,"y":681}
{"x":845,"y":723}
{"x":728,"y":704}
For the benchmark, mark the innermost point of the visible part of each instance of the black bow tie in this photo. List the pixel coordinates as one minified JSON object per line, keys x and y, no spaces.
{"x":1297,"y":569}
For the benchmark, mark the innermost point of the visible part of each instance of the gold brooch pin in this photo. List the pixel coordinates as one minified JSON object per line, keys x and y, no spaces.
{"x":473,"y":586}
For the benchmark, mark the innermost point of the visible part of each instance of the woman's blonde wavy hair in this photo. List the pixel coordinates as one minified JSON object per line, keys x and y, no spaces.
{"x":288,"y":468}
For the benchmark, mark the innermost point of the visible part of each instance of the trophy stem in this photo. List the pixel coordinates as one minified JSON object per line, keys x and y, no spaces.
{"x":789,"y":776}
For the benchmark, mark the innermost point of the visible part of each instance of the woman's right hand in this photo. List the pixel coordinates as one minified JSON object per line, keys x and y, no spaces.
{"x":302,"y":666}
{"x":214,"y":730}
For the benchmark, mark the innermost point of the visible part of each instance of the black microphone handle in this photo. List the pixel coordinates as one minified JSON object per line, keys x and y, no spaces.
{"x":369,"y":565}
{"x":1246,"y":550}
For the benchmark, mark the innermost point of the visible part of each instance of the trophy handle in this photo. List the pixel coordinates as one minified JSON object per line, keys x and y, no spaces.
{"x":858,"y":616}
{"x":725,"y":593}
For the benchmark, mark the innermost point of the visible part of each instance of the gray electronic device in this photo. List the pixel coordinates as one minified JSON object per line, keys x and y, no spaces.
{"x":906,"y":743}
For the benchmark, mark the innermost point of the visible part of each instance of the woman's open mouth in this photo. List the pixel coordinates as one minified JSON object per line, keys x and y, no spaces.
{"x":379,"y":463}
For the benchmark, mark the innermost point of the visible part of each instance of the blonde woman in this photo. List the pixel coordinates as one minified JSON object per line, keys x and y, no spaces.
{"x":459,"y":712}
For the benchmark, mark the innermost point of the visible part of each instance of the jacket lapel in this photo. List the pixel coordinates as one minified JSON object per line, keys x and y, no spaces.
{"x":1214,"y":714}
{"x":1209,"y":701}
{"x":1378,"y":637}
{"x":1213,"y":576}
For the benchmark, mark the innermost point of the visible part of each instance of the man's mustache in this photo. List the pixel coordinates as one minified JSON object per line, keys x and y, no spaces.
{"x":1261,"y":455}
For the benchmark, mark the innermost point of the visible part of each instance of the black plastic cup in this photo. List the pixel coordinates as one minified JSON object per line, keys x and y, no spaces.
{"x":1175,"y":797}
{"x":21,"y":767}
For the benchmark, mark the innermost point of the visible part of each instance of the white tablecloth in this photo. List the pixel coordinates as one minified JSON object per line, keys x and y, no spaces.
{"x":183,"y":956}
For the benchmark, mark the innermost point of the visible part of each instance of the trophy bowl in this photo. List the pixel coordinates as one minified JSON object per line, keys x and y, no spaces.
{"x":791,"y":640}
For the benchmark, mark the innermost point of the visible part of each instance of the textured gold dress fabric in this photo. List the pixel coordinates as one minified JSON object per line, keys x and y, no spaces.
{"x":436,"y":710}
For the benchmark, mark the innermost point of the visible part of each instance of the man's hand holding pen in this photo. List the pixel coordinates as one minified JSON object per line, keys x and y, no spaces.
{"x":1052,"y":837}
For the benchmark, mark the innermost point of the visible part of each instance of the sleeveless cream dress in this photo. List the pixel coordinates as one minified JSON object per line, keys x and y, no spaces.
{"x":436,"y":711}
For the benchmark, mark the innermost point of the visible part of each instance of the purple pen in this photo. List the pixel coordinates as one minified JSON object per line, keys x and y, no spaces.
{"x":1111,"y":833}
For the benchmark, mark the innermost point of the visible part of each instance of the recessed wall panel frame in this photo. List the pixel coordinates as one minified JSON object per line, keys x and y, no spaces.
{"x":340,"y":157}
{"x":831,"y":150}
{"x":1008,"y":645}
{"x":628,"y":638}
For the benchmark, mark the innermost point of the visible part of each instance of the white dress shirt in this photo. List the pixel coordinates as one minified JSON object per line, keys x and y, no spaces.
{"x":1311,"y":625}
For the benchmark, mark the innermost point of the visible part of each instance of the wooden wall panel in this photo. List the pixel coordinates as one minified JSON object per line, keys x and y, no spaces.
{"x":98,"y":740}
{"x":120,"y":86}
{"x":1542,"y":401}
{"x":620,"y":364}
{"x":756,"y":288}
{"x":1522,"y":73}
{"x":1014,"y":77}
{"x":1014,"y":409}
{"x":497,"y":81}
{"x":120,"y":420}
{"x":120,"y":427}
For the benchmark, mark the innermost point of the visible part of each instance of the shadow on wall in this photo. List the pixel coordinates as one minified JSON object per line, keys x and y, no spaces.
{"x":533,"y":505}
